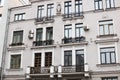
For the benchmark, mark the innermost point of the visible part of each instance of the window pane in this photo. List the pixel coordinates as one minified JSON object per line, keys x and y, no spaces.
{"x":106,"y":29}
{"x":100,"y":4}
{"x":113,"y":60}
{"x":111,"y":29}
{"x":103,"y":58}
{"x":108,"y":57}
{"x":101,"y":30}
{"x":108,"y":4}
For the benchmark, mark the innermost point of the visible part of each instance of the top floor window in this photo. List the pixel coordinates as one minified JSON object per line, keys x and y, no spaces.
{"x":50,"y":11}
{"x":40,"y":12}
{"x":19,"y":17}
{"x":98,"y":4}
{"x":68,"y":9}
{"x":106,"y":27}
{"x":78,"y":7}
{"x":110,"y":4}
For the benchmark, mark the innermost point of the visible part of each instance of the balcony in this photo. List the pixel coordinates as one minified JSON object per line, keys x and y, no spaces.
{"x":39,"y":70}
{"x":43,"y":43}
{"x":73,"y":40}
{"x":47,"y":19}
{"x":72,"y":69}
{"x":73,"y":16}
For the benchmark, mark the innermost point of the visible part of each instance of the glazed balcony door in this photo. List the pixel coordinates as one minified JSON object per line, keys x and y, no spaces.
{"x":79,"y":61}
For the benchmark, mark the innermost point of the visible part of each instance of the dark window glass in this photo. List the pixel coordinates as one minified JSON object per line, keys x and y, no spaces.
{"x":108,"y":55}
{"x":39,"y":33}
{"x":67,"y":58}
{"x":15,"y":61}
{"x":37,"y":60}
{"x":49,"y":33}
{"x":48,"y":59}
{"x":17,"y":37}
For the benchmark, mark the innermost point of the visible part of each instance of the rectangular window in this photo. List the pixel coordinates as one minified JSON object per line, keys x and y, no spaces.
{"x":15,"y":61}
{"x":106,"y":27}
{"x":68,"y":58}
{"x":37,"y":60}
{"x":68,"y":31}
{"x":78,"y":7}
{"x":17,"y":37}
{"x":79,"y":30}
{"x":79,"y":60}
{"x":50,"y":11}
{"x":40,"y":14}
{"x":98,"y":4}
{"x":39,"y":34}
{"x":108,"y":55}
{"x":68,"y":9}
{"x":49,"y":33}
{"x":48,"y":59}
{"x":110,"y":4}
{"x":19,"y":17}
{"x":110,"y":78}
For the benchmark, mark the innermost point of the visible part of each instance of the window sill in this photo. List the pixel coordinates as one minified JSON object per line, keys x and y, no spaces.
{"x":108,"y":65}
{"x":109,"y":35}
{"x":19,"y":69}
{"x":109,"y":9}
{"x":78,"y":17}
{"x":19,"y":20}
{"x":99,"y":10}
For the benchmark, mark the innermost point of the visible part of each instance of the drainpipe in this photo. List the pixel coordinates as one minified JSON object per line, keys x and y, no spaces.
{"x":5,"y":45}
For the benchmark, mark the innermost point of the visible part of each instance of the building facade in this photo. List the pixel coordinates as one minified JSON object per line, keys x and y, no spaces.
{"x":64,"y":40}
{"x":4,"y":13}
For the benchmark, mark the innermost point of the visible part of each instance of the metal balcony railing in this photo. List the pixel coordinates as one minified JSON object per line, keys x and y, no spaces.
{"x":39,"y":70}
{"x":43,"y":43}
{"x":73,"y":40}
{"x":72,"y":69}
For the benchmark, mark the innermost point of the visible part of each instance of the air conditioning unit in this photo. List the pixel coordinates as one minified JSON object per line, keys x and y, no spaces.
{"x":86,"y":28}
{"x":31,"y":34}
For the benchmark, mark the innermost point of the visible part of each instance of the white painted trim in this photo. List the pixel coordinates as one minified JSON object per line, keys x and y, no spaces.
{"x":103,"y":46}
{"x":15,"y":53}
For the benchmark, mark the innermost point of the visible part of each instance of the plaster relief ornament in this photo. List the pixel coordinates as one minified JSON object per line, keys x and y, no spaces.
{"x":58,"y":8}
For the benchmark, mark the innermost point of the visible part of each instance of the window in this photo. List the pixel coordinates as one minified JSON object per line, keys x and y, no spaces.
{"x":48,"y":59}
{"x":67,"y":58}
{"x":17,"y":37}
{"x":79,"y":30}
{"x":15,"y":61}
{"x":106,"y":27}
{"x":50,"y":11}
{"x":68,"y":9}
{"x":110,"y":4}
{"x":0,"y":16}
{"x":68,"y":31}
{"x":49,"y":33}
{"x":98,"y":4}
{"x":110,"y":78}
{"x":39,"y":33}
{"x":78,"y":7}
{"x":40,"y":12}
{"x":79,"y":60}
{"x":108,"y":55}
{"x":37,"y":60}
{"x":19,"y":17}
